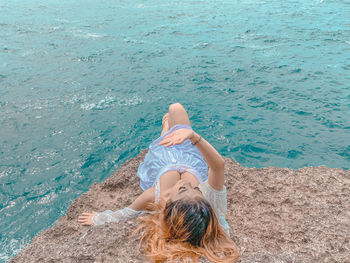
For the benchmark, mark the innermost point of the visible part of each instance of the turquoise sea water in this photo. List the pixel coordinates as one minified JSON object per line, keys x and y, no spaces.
{"x":84,"y":84}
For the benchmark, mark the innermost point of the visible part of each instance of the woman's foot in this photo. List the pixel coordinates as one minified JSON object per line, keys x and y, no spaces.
{"x":165,"y":123}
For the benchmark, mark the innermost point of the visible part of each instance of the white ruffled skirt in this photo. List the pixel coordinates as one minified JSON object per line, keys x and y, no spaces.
{"x":182,"y":157}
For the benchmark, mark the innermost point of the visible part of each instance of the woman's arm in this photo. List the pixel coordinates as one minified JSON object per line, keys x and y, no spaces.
{"x":135,"y":209}
{"x":214,"y":160}
{"x":143,"y":199}
{"x":211,"y":156}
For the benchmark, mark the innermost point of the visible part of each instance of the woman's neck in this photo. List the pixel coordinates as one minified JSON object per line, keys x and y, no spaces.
{"x":186,"y":177}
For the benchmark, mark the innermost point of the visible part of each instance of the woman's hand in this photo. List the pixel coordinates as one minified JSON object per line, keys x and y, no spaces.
{"x":177,"y":137}
{"x":86,"y":219}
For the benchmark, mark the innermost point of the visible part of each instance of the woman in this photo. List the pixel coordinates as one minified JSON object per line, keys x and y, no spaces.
{"x":183,"y":181}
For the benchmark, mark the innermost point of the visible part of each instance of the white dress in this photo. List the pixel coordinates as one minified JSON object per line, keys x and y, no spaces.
{"x":181,"y":157}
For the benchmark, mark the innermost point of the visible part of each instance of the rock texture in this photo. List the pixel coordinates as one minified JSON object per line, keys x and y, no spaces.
{"x":275,"y":214}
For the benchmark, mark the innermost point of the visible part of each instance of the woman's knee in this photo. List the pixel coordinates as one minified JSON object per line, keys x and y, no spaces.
{"x":178,"y":115}
{"x":176,"y":106}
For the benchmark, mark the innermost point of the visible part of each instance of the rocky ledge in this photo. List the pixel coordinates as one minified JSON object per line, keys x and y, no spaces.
{"x":275,"y":214}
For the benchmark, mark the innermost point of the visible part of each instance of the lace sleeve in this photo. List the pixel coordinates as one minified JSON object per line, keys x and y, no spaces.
{"x":108,"y":216}
{"x":218,"y":201}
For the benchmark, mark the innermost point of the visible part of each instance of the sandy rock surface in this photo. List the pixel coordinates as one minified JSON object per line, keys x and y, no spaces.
{"x":275,"y":214}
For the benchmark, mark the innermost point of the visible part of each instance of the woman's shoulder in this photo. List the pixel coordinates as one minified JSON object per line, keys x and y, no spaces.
{"x":207,"y":187}
{"x":217,"y":199}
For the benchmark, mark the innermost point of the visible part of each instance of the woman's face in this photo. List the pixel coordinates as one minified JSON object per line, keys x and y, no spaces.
{"x":184,"y":189}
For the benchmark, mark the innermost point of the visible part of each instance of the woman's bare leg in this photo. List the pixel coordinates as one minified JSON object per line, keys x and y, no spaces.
{"x":178,"y":115}
{"x":165,"y":123}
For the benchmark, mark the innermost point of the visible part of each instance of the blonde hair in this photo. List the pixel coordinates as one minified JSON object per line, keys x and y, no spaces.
{"x":185,"y":230}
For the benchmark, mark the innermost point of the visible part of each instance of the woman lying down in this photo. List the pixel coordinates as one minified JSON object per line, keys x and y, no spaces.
{"x":184,"y":195}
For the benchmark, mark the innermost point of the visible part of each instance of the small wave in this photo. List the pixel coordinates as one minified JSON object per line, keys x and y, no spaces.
{"x":102,"y":104}
{"x":201,"y":45}
{"x":48,"y":198}
{"x":297,"y":70}
{"x":54,"y":133}
{"x":81,"y":34}
{"x":3,"y":174}
{"x":130,"y":101}
{"x":303,"y":113}
{"x":93,"y":35}
{"x":109,"y":101}
{"x":91,"y":58}
{"x":274,"y":90}
{"x":259,"y":103}
{"x":9,"y":205}
{"x":130,"y":40}
{"x":8,"y":50}
{"x":55,"y":28}
{"x":10,"y":247}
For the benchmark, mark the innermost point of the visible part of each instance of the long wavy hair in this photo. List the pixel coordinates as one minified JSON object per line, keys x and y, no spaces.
{"x":184,"y":230}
